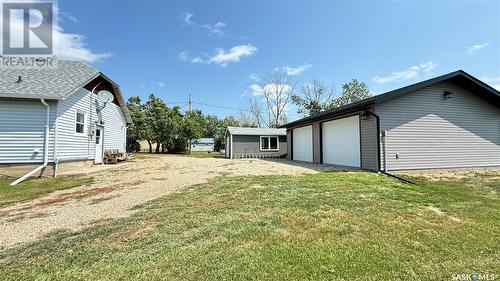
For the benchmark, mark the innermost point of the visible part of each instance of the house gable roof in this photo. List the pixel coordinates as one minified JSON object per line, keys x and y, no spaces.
{"x":460,"y":77}
{"x":56,"y":83}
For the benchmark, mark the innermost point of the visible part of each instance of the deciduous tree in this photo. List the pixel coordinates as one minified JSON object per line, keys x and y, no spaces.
{"x":316,"y":97}
{"x":352,"y":91}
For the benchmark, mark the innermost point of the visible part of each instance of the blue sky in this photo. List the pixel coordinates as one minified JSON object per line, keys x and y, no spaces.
{"x":216,"y":50}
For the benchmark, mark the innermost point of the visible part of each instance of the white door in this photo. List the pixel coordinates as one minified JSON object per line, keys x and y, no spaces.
{"x":341,"y":144}
{"x":98,"y":145}
{"x":302,"y":144}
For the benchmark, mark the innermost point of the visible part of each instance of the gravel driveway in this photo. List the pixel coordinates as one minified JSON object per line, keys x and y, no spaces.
{"x":118,"y":190}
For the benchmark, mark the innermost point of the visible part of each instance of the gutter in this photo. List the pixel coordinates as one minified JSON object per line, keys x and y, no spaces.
{"x":45,"y":147}
{"x":379,"y":170}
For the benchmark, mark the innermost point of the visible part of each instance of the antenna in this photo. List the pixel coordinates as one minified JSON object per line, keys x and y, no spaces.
{"x":105,"y":97}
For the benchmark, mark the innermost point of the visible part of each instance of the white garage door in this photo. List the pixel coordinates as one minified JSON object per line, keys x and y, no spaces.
{"x":302,"y":144}
{"x":341,"y":144}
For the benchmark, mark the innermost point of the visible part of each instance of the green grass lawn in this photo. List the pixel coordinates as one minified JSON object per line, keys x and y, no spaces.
{"x":326,"y":226}
{"x":33,"y":188}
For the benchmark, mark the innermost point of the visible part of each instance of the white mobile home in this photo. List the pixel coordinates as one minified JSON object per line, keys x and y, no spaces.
{"x":50,"y":116}
{"x":203,"y":144}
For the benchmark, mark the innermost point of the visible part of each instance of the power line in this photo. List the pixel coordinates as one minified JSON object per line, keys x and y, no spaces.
{"x":220,"y":106}
{"x":177,"y":102}
{"x":231,"y":108}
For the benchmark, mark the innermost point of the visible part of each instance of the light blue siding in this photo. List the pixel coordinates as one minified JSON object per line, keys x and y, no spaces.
{"x":115,"y":127}
{"x":22,"y":130}
{"x":72,"y":146}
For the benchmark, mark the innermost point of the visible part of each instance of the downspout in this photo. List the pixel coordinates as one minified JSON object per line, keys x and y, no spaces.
{"x":91,"y":125}
{"x":377,"y":118}
{"x":56,"y":160}
{"x":45,"y":147}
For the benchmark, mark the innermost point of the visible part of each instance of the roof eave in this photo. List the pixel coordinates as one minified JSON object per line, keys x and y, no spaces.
{"x":28,"y":96}
{"x":360,"y":105}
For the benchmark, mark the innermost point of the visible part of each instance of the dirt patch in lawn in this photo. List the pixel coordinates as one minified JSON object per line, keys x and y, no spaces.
{"x":487,"y":174}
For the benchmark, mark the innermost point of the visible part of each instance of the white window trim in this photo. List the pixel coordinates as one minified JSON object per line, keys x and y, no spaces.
{"x":269,"y":140}
{"x":84,"y":123}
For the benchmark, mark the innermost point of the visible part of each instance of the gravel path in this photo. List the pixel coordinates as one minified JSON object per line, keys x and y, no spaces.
{"x":118,"y":190}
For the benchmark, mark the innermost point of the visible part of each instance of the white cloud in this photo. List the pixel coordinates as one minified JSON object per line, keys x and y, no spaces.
{"x":471,"y":50}
{"x":73,"y":46}
{"x":222,"y":57}
{"x":269,"y":89}
{"x":68,"y":16}
{"x":197,"y":60}
{"x":152,"y":85}
{"x":493,"y":82}
{"x":254,"y":77}
{"x":213,"y":29}
{"x":233,"y":55}
{"x":184,"y":55}
{"x":428,"y":66}
{"x":256,"y":90}
{"x":66,"y":45}
{"x":294,"y":71}
{"x":216,"y":29}
{"x":410,"y":73}
{"x":187,"y":19}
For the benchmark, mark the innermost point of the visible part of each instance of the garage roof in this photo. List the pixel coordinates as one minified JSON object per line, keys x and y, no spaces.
{"x":460,"y":77}
{"x":256,"y":131}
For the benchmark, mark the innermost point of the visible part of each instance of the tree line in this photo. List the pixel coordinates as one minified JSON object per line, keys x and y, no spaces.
{"x":168,"y":129}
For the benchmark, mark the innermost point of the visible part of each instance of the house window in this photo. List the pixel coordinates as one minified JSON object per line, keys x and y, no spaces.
{"x":97,"y":136}
{"x":269,"y":143}
{"x":80,"y":123}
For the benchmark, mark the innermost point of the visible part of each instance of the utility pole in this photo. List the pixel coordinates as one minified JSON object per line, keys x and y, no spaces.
{"x":190,"y":106}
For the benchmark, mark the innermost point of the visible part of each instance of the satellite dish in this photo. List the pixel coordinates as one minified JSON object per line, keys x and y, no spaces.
{"x":105,"y":96}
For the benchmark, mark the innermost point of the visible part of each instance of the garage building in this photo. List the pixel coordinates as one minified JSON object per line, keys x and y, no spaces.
{"x":242,"y":142}
{"x":451,"y":121}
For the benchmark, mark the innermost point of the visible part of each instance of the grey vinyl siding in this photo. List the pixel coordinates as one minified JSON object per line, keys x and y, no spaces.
{"x":251,"y":145}
{"x":227,"y":148}
{"x":316,"y":131}
{"x":289,"y":151}
{"x":368,"y":141}
{"x":429,"y":131}
{"x":22,"y":130}
{"x":73,"y":146}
